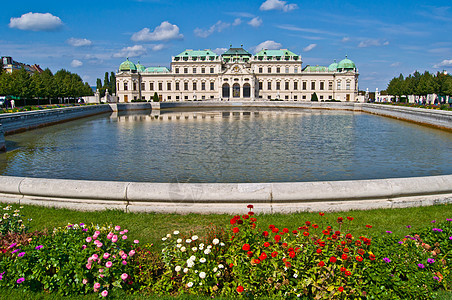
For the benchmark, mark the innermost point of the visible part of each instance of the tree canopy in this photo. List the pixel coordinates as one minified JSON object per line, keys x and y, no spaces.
{"x":420,"y":84}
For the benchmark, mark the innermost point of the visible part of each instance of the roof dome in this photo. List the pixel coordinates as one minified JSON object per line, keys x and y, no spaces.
{"x":346,"y":64}
{"x":333,"y":67}
{"x":140,"y":67}
{"x":127,"y":66}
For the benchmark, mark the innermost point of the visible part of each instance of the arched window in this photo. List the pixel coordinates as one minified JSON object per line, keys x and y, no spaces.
{"x":226,"y":90}
{"x":246,"y":90}
{"x":236,"y":90}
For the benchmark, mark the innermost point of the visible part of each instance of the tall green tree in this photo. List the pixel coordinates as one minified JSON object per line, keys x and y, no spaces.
{"x":113,"y":83}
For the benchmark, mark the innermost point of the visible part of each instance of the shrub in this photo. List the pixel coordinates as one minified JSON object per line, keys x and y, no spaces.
{"x":12,"y":221}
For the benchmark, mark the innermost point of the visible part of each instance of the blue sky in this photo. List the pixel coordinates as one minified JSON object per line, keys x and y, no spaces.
{"x":384,"y":38}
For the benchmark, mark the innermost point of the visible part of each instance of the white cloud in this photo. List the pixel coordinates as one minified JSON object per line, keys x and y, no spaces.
{"x":220,"y":51}
{"x":79,"y":42}
{"x":76,"y":63}
{"x":157,"y":47}
{"x":396,"y":64}
{"x":278,"y":5}
{"x":164,"y":32}
{"x":217,"y":27}
{"x":36,"y":22}
{"x":237,"y":22}
{"x":309,"y":47}
{"x":444,"y":63}
{"x":133,"y":51}
{"x":269,"y":45}
{"x":372,"y":43}
{"x":255,"y":22}
{"x":345,"y":39}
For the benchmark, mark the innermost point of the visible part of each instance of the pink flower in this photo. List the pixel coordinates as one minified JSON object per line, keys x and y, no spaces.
{"x":136,"y":241}
{"x":99,"y":245}
{"x":97,"y":285}
{"x":90,"y":259}
{"x":125,"y":230}
{"x":85,"y":281}
{"x":110,"y":235}
{"x":124,"y":256}
{"x":104,"y":293}
{"x":131,"y":252}
{"x":101,"y":275}
{"x":124,"y":262}
{"x":83,"y":247}
{"x":88,"y":266}
{"x":114,"y":239}
{"x":108,"y":264}
{"x":124,"y":276}
{"x":106,"y":255}
{"x":89,"y":239}
{"x":97,"y":233}
{"x":95,"y":256}
{"x":121,"y":252}
{"x":121,"y":233}
{"x":117,"y":227}
{"x":101,"y":270}
{"x":124,"y":237}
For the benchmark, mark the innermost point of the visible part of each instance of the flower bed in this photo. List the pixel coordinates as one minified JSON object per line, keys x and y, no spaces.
{"x":317,"y":259}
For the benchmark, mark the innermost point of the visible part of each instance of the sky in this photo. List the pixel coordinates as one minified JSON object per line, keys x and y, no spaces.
{"x":384,"y":38}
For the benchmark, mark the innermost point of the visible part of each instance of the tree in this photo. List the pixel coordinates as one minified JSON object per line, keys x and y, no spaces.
{"x":314,"y":97}
{"x":156,"y":97}
{"x":1,"y":66}
{"x":113,"y":83}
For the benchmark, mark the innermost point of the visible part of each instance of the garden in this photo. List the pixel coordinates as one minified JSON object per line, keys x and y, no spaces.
{"x":378,"y":254}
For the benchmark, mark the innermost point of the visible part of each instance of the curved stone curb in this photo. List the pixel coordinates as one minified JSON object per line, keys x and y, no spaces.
{"x":228,"y":197}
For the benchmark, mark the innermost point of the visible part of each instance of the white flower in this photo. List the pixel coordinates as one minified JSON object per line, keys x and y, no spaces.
{"x":177,"y":268}
{"x":194,"y":249}
{"x":193,"y":258}
{"x":201,"y":245}
{"x":176,"y":232}
{"x":188,"y":241}
{"x":207,"y":251}
{"x":215,"y":241}
{"x":179,"y":241}
{"x":202,"y":260}
{"x":209,"y":247}
{"x":190,"y":263}
{"x":179,"y":245}
{"x":186,"y":270}
{"x":168,"y":235}
{"x":222,"y":244}
{"x":218,"y":274}
{"x":220,"y":266}
{"x":195,"y":237}
{"x":190,"y":284}
{"x":295,"y":275}
{"x":164,"y":239}
{"x":202,"y":275}
{"x":182,"y":249}
{"x":201,"y":248}
{"x":215,"y":269}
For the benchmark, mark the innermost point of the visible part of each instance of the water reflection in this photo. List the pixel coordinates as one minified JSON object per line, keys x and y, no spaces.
{"x":234,"y":145}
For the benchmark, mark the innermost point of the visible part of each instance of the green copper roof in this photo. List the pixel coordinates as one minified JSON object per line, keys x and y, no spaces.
{"x":157,"y":70}
{"x":127,"y":66}
{"x":140,"y":68}
{"x":346,"y":64}
{"x":197,"y":53}
{"x":281,"y":52}
{"x":315,"y":69}
{"x":236,"y":52}
{"x":333,"y":67}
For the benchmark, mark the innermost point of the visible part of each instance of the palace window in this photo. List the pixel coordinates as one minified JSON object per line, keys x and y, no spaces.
{"x":169,"y":97}
{"x":203,"y":70}
{"x":278,"y":70}
{"x":203,"y":86}
{"x":186,"y":86}
{"x":125,"y":86}
{"x":295,"y":70}
{"x":160,"y":86}
{"x":134,"y":86}
{"x":185,"y":70}
{"x":347,"y":86}
{"x":330,"y":85}
{"x":261,"y":85}
{"x":313,"y":85}
{"x":260,"y":70}
{"x":177,"y":86}
{"x":194,"y":86}
{"x":286,"y":97}
{"x":143,"y":87}
{"x":194,"y":70}
{"x":287,"y":85}
{"x":177,"y":70}
{"x":287,"y":69}
{"x":321,"y":97}
{"x":322,"y":85}
{"x":295,"y":97}
{"x":168,"y":86}
{"x":269,"y":85}
{"x":295,"y":85}
{"x":269,"y":70}
{"x":278,"y":85}
{"x":212,"y":70}
{"x":304,"y":97}
{"x":212,"y":85}
{"x":151,"y":86}
{"x":339,"y":85}
{"x":304,"y":85}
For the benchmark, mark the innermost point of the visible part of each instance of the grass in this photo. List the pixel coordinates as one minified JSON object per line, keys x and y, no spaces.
{"x":151,"y":227}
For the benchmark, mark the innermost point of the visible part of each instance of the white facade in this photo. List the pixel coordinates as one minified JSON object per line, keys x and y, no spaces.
{"x":238,"y":75}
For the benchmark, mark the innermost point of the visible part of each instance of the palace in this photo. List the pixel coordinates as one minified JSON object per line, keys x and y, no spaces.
{"x":238,"y":75}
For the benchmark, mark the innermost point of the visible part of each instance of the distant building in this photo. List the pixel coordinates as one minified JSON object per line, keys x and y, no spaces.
{"x":10,"y":65}
{"x":238,"y":75}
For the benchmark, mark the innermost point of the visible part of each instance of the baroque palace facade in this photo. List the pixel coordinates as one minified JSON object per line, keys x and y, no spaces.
{"x":237,"y":75}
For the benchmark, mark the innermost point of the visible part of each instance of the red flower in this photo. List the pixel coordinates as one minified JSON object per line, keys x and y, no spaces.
{"x":250,"y":253}
{"x":372,"y":257}
{"x":284,"y":245}
{"x":315,"y":226}
{"x":235,"y":229}
{"x":344,"y":256}
{"x":343,"y":269}
{"x":348,"y":273}
{"x":251,"y":213}
{"x":275,"y":230}
{"x":274,"y":254}
{"x":295,"y":231}
{"x":285,"y":230}
{"x":240,"y":222}
{"x":250,"y":206}
{"x":337,"y":232}
{"x":348,"y":236}
{"x":343,"y":243}
{"x":361,"y":251}
{"x":321,"y":263}
{"x":271,"y":226}
{"x":308,"y":223}
{"x":292,"y":254}
{"x":358,"y":243}
{"x":246,"y":247}
{"x":253,"y":225}
{"x":359,"y":258}
{"x":256,"y":261}
{"x":245,"y":217}
{"x":263,"y":256}
{"x":340,"y":289}
{"x":288,"y":264}
{"x":233,"y":221}
{"x":369,"y":226}
{"x":253,"y":219}
{"x":321,"y":214}
{"x":340,"y":219}
{"x":265,"y":233}
{"x":346,"y":250}
{"x":333,"y":259}
{"x":367,"y":242}
{"x":231,"y":265}
{"x":326,"y":232}
{"x":319,"y":250}
{"x":290,"y":249}
{"x":277,"y":238}
{"x":334,"y":236}
{"x":266,"y":244}
{"x":350,"y":218}
{"x":240,"y":288}
{"x":321,"y":243}
{"x":306,"y":233}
